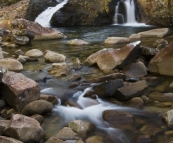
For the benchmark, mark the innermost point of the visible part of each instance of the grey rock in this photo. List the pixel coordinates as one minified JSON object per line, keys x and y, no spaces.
{"x":34,"y":53}
{"x":5,"y":139}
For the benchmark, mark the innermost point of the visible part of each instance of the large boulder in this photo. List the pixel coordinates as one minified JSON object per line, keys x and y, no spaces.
{"x":25,"y":129}
{"x":5,"y":139}
{"x":108,"y":59}
{"x":162,"y":62}
{"x":19,"y":90}
{"x":11,"y":64}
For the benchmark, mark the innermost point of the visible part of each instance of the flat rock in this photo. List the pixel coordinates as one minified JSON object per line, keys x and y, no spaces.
{"x":25,"y":129}
{"x":160,"y":33}
{"x":11,"y":64}
{"x":77,"y":42}
{"x":37,"y":107}
{"x":54,"y":57}
{"x":18,"y":90}
{"x":131,"y":90}
{"x":34,"y":53}
{"x":135,"y":37}
{"x":5,"y":139}
{"x":162,"y":62}
{"x":116,"y":40}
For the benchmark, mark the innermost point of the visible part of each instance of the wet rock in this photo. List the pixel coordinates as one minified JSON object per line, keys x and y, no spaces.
{"x":49,"y":98}
{"x":160,"y":43}
{"x":39,"y":118}
{"x":95,"y":139}
{"x":160,"y":33}
{"x":119,"y":119}
{"x":21,"y":60}
{"x":108,"y":89}
{"x":135,"y":37}
{"x":34,"y":53}
{"x":82,"y":128}
{"x":135,"y":70}
{"x":19,"y":90}
{"x":37,"y":107}
{"x":28,"y":59}
{"x":73,"y":85}
{"x":5,"y":139}
{"x":116,"y":40}
{"x":77,"y":42}
{"x":11,"y":64}
{"x":55,"y":140}
{"x":77,"y":65}
{"x":106,"y":78}
{"x":21,"y":40}
{"x":135,"y":102}
{"x":25,"y":129}
{"x":3,"y":125}
{"x":168,"y":118}
{"x":131,"y":90}
{"x":161,"y":63}
{"x":74,"y":77}
{"x":54,"y":57}
{"x":144,"y":139}
{"x":164,"y":104}
{"x":19,"y":52}
{"x":163,"y":97}
{"x":148,"y":51}
{"x":59,"y":69}
{"x":2,"y":103}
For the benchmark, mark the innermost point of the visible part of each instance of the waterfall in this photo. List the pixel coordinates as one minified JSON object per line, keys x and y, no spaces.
{"x":130,"y":12}
{"x":45,"y":17}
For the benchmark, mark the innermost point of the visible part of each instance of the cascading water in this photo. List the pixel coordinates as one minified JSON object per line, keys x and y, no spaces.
{"x":45,"y":17}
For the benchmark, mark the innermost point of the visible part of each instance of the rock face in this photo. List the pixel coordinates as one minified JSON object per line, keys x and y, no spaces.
{"x":108,"y":59}
{"x":155,"y":12}
{"x":25,"y":129}
{"x":19,"y":90}
{"x":161,"y":63}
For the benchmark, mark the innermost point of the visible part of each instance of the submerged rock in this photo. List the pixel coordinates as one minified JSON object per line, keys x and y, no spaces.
{"x":77,"y":42}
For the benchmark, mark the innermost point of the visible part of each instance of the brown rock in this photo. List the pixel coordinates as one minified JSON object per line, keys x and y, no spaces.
{"x":77,"y":42}
{"x":116,"y":40}
{"x":3,"y":125}
{"x":49,"y":98}
{"x":39,"y":118}
{"x":34,"y":53}
{"x":95,"y":139}
{"x":4,"y":139}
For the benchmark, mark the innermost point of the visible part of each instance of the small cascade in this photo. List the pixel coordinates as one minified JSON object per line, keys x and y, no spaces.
{"x":45,"y":17}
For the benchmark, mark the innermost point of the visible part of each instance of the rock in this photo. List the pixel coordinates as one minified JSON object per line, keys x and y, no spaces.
{"x":21,"y":60}
{"x":41,"y":33}
{"x":39,"y":118}
{"x":59,"y":69}
{"x":82,"y":128}
{"x":135,"y":70}
{"x":134,"y":37}
{"x":161,"y":63}
{"x":5,"y":139}
{"x":160,"y":43}
{"x":28,"y":59}
{"x":168,"y":118}
{"x":131,"y":90}
{"x":19,"y":52}
{"x":37,"y":107}
{"x":106,"y":78}
{"x":21,"y":40}
{"x":159,"y":33}
{"x":116,"y":40}
{"x":25,"y":129}
{"x":19,"y":88}
{"x":95,"y":139}
{"x":144,"y":139}
{"x":135,"y":102}
{"x":77,"y":65}
{"x":1,"y":55}
{"x":108,"y":59}
{"x":119,"y":119}
{"x":108,"y":89}
{"x":74,"y":77}
{"x":55,"y":140}
{"x":77,"y":42}
{"x":54,"y":57}
{"x":2,"y":103}
{"x":163,"y":97}
{"x":3,"y":32}
{"x":147,"y":51}
{"x":3,"y":125}
{"x":34,"y":53}
{"x":49,"y":98}
{"x":11,"y":64}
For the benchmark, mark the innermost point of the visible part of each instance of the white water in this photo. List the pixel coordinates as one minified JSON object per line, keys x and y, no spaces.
{"x":45,"y":17}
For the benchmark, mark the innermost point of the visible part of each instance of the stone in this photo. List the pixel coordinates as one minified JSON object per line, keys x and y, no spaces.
{"x":21,"y":40}
{"x":55,"y":140}
{"x":5,"y":139}
{"x":163,"y":97}
{"x":34,"y":53}
{"x":135,"y":70}
{"x":143,"y":139}
{"x":119,"y":119}
{"x":37,"y":107}
{"x":135,"y":102}
{"x":59,"y":69}
{"x":168,"y":118}
{"x":159,"y":33}
{"x":2,"y":103}
{"x":116,"y":40}
{"x":82,"y":128}
{"x":1,"y":55}
{"x":39,"y":118}
{"x":148,"y":51}
{"x":74,"y":77}
{"x":108,"y":89}
{"x":77,"y":42}
{"x":108,"y":59}
{"x":3,"y":125}
{"x":130,"y":90}
{"x":19,"y":90}
{"x":54,"y":57}
{"x":95,"y":139}
{"x":11,"y":64}
{"x":19,"y":52}
{"x":25,"y":129}
{"x":27,"y":59}
{"x":77,"y":65}
{"x":161,"y":63}
{"x":160,"y":43}
{"x":135,"y":37}
{"x":50,"y":98}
